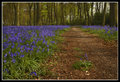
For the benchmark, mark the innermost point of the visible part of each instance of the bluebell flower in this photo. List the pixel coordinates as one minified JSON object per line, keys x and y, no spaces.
{"x":21,"y":47}
{"x":21,"y":50}
{"x":5,"y":61}
{"x":12,"y":55}
{"x":86,"y":56}
{"x":33,"y":73}
{"x":47,"y":45}
{"x":52,"y":41}
{"x":20,"y":41}
{"x":39,"y":47}
{"x":37,"y":50}
{"x":21,"y":56}
{"x":33,"y":42}
{"x":13,"y":60}
{"x":13,"y":45}
{"x":5,"y":70}
{"x":43,"y":50}
{"x":9,"y":52}
{"x":15,"y":54}
{"x":31,"y":49}
{"x":5,"y":55}
{"x":27,"y":44}
{"x":18,"y":53}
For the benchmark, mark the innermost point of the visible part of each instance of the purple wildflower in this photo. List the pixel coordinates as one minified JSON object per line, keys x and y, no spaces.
{"x":43,"y":50}
{"x":80,"y":58}
{"x":33,"y":73}
{"x":12,"y":55}
{"x":86,"y":56}
{"x":5,"y":55}
{"x":13,"y":60}
{"x":15,"y":54}
{"x":22,"y":56}
{"x":5,"y":61}
{"x":5,"y":70}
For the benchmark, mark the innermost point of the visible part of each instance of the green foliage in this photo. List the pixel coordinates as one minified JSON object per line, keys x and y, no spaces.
{"x":76,"y":48}
{"x":101,"y":33}
{"x":98,"y":18}
{"x":82,"y":65}
{"x":107,"y":19}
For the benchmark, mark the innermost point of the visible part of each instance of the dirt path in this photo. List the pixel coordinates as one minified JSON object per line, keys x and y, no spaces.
{"x":102,"y":54}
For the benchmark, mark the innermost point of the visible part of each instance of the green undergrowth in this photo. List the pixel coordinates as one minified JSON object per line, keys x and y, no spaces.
{"x":33,"y":64}
{"x":82,"y":65}
{"x":101,"y":33}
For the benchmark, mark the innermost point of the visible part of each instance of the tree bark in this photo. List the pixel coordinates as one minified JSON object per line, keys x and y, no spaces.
{"x":37,"y":13}
{"x":113,"y":14}
{"x":92,"y":13}
{"x":30,"y":7}
{"x":34,"y":14}
{"x":18,"y":24}
{"x":104,"y":11}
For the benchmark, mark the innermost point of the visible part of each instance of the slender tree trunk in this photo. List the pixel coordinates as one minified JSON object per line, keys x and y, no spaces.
{"x":78,"y":13}
{"x":18,"y":24}
{"x":34,"y":14}
{"x":104,"y":11}
{"x":92,"y":13}
{"x":15,"y":13}
{"x":97,"y":8}
{"x":56,"y":14}
{"x":30,"y":7}
{"x":51,"y":14}
{"x":113,"y":14}
{"x":48,"y":8}
{"x":70,"y":15}
{"x":62,"y":14}
{"x":37,"y":13}
{"x":85,"y":14}
{"x":87,"y":10}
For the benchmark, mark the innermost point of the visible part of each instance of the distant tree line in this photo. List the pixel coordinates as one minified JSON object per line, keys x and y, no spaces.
{"x":46,"y":13}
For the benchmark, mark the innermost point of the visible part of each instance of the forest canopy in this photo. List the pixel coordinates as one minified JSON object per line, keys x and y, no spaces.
{"x":59,"y":13}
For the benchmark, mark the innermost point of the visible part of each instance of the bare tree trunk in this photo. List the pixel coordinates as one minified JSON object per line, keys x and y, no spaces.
{"x":87,"y":10}
{"x":85,"y":13}
{"x":113,"y":14}
{"x":70,"y":15}
{"x":97,"y":7}
{"x":104,"y":11}
{"x":92,"y":13}
{"x":15,"y":13}
{"x":62,"y":14}
{"x":37,"y":13}
{"x":18,"y":24}
{"x":34,"y":14}
{"x":48,"y":8}
{"x":30,"y":7}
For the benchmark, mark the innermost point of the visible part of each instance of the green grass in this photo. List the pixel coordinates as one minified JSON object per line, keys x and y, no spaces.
{"x":82,"y":65}
{"x":76,"y":48}
{"x":101,"y":33}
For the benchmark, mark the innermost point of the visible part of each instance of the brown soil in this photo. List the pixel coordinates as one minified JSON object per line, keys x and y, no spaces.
{"x":102,"y":54}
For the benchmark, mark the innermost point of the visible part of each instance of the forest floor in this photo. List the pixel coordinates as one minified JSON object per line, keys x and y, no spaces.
{"x":102,"y":54}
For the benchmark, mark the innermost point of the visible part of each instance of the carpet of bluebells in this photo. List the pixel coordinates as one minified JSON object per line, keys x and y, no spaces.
{"x":106,"y":32}
{"x":25,"y":47}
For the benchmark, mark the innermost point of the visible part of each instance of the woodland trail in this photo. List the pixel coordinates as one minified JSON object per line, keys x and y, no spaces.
{"x":102,"y":54}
